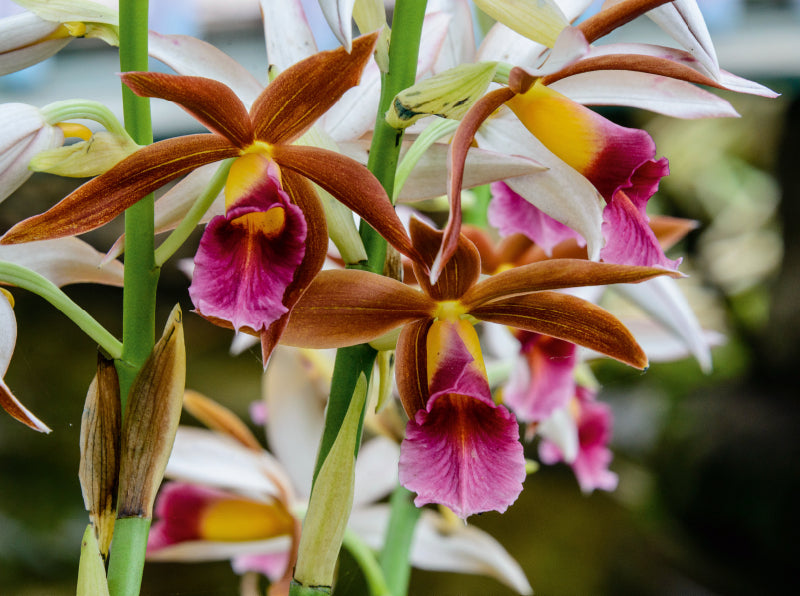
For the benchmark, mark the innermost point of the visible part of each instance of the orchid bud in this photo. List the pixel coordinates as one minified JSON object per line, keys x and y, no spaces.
{"x":91,"y":157}
{"x":151,"y":421}
{"x":331,"y":501}
{"x":449,"y":94}
{"x":99,"y":464}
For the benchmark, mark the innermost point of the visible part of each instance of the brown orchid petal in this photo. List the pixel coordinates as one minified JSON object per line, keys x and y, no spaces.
{"x":605,"y":21}
{"x":555,"y":274}
{"x":349,"y":307}
{"x":569,"y":318}
{"x":458,"y":275}
{"x":671,"y":230}
{"x":462,"y":140}
{"x":637,"y":63}
{"x":212,"y":103}
{"x":304,"y":196}
{"x":510,"y":249}
{"x":350,"y":183}
{"x":14,"y":407}
{"x":103,"y":198}
{"x":302,"y":93}
{"x":411,"y":362}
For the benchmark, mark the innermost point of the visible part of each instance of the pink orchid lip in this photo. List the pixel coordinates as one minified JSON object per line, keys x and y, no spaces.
{"x":248,"y":257}
{"x":461,"y":450}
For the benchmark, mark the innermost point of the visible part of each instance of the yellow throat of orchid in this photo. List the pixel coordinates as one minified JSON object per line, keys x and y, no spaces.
{"x":239,"y":520}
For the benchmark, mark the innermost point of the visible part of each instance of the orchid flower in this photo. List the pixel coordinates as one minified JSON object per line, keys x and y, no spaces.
{"x":63,"y":261}
{"x":46,"y":27}
{"x":271,"y":209}
{"x":439,"y":369}
{"x":240,"y":502}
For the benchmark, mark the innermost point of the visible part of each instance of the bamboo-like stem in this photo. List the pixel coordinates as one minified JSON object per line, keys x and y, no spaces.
{"x":139,"y":295}
{"x":384,"y":154}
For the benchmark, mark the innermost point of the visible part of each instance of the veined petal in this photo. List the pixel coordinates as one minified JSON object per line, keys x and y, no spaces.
{"x":411,"y":366}
{"x":462,"y":450}
{"x":460,"y":272}
{"x":348,"y":307}
{"x":214,"y":104}
{"x":302,"y":93}
{"x":684,"y":22}
{"x":510,"y":214}
{"x":352,"y":184}
{"x":187,"y":512}
{"x":605,"y":153}
{"x":190,"y":56}
{"x":247,"y":258}
{"x":555,"y":274}
{"x":103,"y":198}
{"x":540,"y":21}
{"x":543,"y":379}
{"x":568,"y":318}
{"x":23,"y":41}
{"x":65,"y":261}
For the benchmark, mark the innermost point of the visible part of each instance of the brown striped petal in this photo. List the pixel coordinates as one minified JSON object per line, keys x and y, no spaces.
{"x":350,"y":183}
{"x":349,"y":307}
{"x":212,"y":103}
{"x":411,"y":364}
{"x":462,"y":141}
{"x":555,"y":274}
{"x":569,"y":318}
{"x":302,"y":93}
{"x":103,"y":198}
{"x":458,"y":275}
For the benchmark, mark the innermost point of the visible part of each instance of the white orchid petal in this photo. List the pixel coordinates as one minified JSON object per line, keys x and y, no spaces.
{"x":64,"y":261}
{"x":18,"y":121}
{"x":206,"y":457}
{"x":663,"y":300}
{"x":190,"y":56}
{"x":354,"y":114}
{"x":572,"y":9}
{"x":501,"y":44}
{"x":339,"y":14}
{"x":435,"y":28}
{"x":295,"y":414}
{"x":742,"y":85}
{"x":646,"y":91}
{"x":68,"y":11}
{"x":287,"y":32}
{"x":684,"y":22}
{"x":206,"y":550}
{"x":583,"y":212}
{"x":541,"y":20}
{"x":459,"y":43}
{"x":570,"y":46}
{"x":459,"y":549}
{"x":376,"y":470}
{"x":14,"y":170}
{"x":16,"y":60}
{"x":22,"y":30}
{"x":8,"y":334}
{"x":560,"y":428}
{"x":242,"y":342}
{"x":661,"y":344}
{"x":23,"y":414}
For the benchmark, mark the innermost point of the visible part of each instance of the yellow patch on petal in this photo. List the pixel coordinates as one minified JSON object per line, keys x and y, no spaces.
{"x":237,"y":520}
{"x":266,"y":223}
{"x":449,"y":310}
{"x":245,"y":172}
{"x":559,"y":123}
{"x":76,"y":29}
{"x":439,"y":338}
{"x":8,"y":296}
{"x":71,"y":129}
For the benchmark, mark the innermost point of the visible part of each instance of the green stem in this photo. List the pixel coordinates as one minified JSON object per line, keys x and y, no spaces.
{"x":23,"y":277}
{"x":139,"y":295}
{"x":365,"y":558}
{"x":383,"y":158}
{"x":83,"y":109}
{"x":189,"y":223}
{"x":397,"y":545}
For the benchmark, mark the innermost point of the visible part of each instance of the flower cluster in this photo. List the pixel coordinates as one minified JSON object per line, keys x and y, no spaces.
{"x":279,"y":174}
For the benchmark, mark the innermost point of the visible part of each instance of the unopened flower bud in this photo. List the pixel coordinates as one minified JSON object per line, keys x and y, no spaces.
{"x":151,"y":420}
{"x":87,"y":158}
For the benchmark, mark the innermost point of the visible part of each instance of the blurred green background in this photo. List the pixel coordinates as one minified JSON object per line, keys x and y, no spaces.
{"x":708,"y":464}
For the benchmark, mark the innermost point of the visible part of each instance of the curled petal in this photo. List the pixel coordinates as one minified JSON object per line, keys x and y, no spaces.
{"x":213,"y":103}
{"x":248,"y":257}
{"x":103,"y":198}
{"x":615,"y":14}
{"x":343,"y":308}
{"x":607,"y":154}
{"x":302,"y":93}
{"x":411,"y":368}
{"x":568,"y":318}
